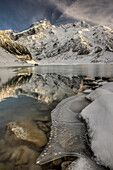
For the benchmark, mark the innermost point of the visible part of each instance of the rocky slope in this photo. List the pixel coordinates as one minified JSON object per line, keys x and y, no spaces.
{"x":14,"y":47}
{"x":8,"y":59}
{"x":70,"y":44}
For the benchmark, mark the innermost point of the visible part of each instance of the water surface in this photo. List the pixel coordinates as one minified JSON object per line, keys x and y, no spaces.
{"x":30,"y":93}
{"x":15,"y":106}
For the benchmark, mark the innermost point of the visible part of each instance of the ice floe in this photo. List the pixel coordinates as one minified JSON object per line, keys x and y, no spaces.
{"x":67,"y":131}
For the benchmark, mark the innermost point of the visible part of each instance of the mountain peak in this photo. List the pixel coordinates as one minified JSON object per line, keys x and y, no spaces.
{"x":44,"y":22}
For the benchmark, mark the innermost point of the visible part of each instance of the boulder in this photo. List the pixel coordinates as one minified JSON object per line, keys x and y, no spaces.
{"x":25,"y":132}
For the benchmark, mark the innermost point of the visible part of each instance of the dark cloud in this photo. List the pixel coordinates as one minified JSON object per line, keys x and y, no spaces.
{"x":94,"y":11}
{"x":20,"y":14}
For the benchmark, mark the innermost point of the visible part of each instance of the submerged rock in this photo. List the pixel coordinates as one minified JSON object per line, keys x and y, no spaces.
{"x":26,"y":132}
{"x":19,"y":157}
{"x":65,"y":164}
{"x":67,"y":131}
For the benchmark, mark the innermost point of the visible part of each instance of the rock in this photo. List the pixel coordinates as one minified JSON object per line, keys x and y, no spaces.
{"x":89,"y":79}
{"x":49,"y":124}
{"x":6,"y":166}
{"x":98,"y":49}
{"x":21,"y":167}
{"x":42,"y":118}
{"x":87,"y":91}
{"x":2,"y":144}
{"x":110,"y":80}
{"x":97,"y":78}
{"x":21,"y":155}
{"x":2,"y":166}
{"x":42,"y":126}
{"x":14,"y":47}
{"x":105,"y":78}
{"x":23,"y":160}
{"x":57,"y":162}
{"x":5,"y":157}
{"x":65,"y":165}
{"x":26,"y":132}
{"x":35,"y":167}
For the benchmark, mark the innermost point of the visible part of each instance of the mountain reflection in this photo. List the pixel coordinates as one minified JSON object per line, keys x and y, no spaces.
{"x":7,"y":89}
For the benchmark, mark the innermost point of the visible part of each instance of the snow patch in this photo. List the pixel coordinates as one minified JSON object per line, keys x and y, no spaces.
{"x":84,"y":163}
{"x":97,"y":93}
{"x":99,"y":117}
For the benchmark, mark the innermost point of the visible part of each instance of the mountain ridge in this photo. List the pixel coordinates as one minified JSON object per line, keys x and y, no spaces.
{"x":73,"y":43}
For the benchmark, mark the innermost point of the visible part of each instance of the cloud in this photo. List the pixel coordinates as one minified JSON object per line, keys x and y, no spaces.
{"x":95,"y":11}
{"x":20,"y":14}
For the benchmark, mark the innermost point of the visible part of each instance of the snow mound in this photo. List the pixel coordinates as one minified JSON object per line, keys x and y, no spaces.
{"x":99,"y":118}
{"x":84,"y":163}
{"x":108,"y":86}
{"x":97,"y":93}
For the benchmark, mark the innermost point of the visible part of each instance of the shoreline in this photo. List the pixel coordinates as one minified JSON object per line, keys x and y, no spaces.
{"x":51,"y":64}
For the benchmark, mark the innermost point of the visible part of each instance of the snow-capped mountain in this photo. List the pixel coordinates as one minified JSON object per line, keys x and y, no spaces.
{"x":70,"y":44}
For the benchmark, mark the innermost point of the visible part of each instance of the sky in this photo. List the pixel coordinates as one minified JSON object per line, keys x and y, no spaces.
{"x":20,"y":14}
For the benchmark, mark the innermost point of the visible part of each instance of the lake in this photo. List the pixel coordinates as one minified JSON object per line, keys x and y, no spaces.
{"x":27,"y":97}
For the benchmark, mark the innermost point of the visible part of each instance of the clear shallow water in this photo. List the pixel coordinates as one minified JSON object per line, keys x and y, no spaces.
{"x":27,"y":93}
